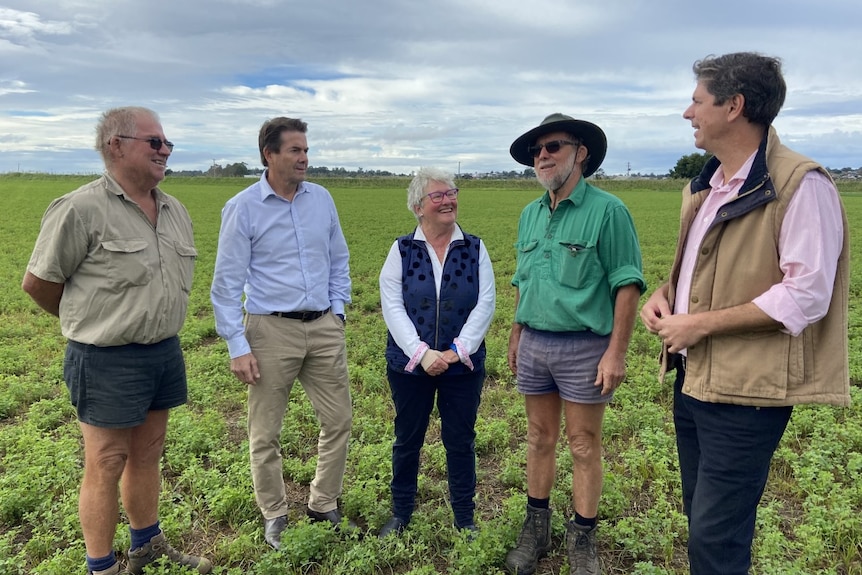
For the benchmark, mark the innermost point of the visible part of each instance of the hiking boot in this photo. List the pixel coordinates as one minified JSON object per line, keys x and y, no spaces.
{"x":581,"y":547}
{"x":534,"y":542}
{"x":158,"y":547}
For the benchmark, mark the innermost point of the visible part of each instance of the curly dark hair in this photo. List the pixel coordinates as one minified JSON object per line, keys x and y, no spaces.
{"x":756,"y":77}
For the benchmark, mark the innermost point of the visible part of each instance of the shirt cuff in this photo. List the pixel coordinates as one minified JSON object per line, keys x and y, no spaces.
{"x":462,"y":353}
{"x":778,"y":304}
{"x":417,"y":357}
{"x":238,"y":346}
{"x":337,"y":307}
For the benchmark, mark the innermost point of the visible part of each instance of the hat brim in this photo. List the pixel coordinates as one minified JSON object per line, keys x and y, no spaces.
{"x":588,"y":133}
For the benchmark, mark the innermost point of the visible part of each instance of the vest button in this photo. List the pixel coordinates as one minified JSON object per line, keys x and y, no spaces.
{"x":704,"y":251}
{"x":694,"y":299}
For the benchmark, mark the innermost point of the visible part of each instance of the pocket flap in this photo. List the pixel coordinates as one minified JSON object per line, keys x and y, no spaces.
{"x":185,"y":250}
{"x":125,"y":246}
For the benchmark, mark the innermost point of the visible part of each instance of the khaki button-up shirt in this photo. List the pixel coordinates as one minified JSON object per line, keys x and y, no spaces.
{"x":126,"y":281}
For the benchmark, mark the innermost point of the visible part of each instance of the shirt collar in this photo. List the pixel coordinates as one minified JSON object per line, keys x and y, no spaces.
{"x":576,"y":197}
{"x":266,"y":190}
{"x":457,"y":234}
{"x":734,"y":183}
{"x":112,"y":186}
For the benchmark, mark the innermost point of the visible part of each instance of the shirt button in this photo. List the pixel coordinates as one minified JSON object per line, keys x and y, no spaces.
{"x":547,"y":255}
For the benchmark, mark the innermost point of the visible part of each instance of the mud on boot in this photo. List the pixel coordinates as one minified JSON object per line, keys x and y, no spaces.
{"x":582,"y":551}
{"x":534,"y":542}
{"x":159,"y":547}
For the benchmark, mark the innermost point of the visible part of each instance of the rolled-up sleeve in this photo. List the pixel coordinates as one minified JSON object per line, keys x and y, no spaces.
{"x":809,"y":244}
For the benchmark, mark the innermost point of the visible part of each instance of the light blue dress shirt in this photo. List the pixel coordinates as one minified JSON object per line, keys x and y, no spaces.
{"x":283,"y":255}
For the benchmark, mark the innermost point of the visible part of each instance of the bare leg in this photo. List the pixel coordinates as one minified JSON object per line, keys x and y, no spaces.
{"x":543,"y":432}
{"x":105,"y":454}
{"x":584,"y":432}
{"x":142,"y":476}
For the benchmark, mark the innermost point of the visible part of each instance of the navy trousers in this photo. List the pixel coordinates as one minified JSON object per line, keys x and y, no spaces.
{"x":458,"y":403}
{"x":724,"y":456}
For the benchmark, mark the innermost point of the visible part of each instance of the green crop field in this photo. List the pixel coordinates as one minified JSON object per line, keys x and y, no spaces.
{"x":810,"y":520}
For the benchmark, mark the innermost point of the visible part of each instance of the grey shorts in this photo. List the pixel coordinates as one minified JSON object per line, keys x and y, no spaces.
{"x":116,"y":386}
{"x":564,"y":363}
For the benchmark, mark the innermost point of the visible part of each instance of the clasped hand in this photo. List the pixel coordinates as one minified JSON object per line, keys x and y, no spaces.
{"x":436,"y":362}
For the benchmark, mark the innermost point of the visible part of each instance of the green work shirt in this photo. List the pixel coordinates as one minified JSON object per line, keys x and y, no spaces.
{"x":572,"y":261}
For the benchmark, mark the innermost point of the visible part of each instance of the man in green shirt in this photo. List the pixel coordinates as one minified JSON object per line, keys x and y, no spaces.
{"x":578,"y":280}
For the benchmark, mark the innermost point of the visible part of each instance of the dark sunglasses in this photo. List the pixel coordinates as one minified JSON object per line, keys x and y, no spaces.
{"x":155,"y":143}
{"x":553,"y":147}
{"x":437,"y":197}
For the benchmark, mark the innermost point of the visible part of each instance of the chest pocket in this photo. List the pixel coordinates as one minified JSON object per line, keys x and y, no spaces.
{"x":187,"y":255}
{"x":526,"y":258}
{"x":126,"y":262}
{"x":579,"y":264}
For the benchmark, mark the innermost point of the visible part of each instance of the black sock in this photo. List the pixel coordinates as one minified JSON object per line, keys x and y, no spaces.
{"x":539,"y":503}
{"x":582,"y":521}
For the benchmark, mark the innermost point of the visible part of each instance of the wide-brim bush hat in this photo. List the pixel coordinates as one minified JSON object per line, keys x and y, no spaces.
{"x":588,"y":133}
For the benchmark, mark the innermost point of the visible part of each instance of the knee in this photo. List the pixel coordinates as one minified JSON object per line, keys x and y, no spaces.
{"x":106,"y":466}
{"x":584,"y":446}
{"x":335,"y":427}
{"x":541,"y":441}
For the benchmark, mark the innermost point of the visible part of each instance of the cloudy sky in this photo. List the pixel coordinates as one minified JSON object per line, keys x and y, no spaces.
{"x":398,"y":84}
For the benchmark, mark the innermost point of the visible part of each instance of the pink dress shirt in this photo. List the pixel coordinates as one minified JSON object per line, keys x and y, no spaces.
{"x":809,"y":244}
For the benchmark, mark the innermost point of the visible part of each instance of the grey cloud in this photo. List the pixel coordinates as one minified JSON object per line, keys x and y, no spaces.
{"x":393,"y":85}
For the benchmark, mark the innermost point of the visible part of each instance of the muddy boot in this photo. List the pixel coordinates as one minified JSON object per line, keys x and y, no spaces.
{"x":534,"y":542}
{"x":581,"y":547}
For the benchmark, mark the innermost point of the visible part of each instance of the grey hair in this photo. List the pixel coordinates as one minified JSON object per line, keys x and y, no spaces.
{"x":423,"y":177}
{"x":117,"y":122}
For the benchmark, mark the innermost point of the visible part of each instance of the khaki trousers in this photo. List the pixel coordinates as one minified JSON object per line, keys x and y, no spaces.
{"x":313,"y":352}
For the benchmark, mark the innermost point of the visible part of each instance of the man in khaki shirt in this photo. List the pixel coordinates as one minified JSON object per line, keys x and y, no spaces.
{"x":114,"y":260}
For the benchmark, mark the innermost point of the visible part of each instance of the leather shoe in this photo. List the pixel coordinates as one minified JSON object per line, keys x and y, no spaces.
{"x":333,"y":517}
{"x":394,"y":525}
{"x":272,"y":529}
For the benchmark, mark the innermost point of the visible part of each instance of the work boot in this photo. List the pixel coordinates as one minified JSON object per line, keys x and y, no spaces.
{"x":581,"y":547}
{"x":158,"y":547}
{"x":534,"y":542}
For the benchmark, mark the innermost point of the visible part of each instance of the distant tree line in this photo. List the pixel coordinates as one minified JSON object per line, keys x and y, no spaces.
{"x":687,"y":167}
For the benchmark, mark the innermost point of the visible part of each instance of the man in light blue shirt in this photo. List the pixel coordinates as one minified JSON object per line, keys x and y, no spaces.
{"x":281,"y":246}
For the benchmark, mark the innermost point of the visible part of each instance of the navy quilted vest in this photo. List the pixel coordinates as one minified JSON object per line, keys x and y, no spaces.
{"x":438,"y":324}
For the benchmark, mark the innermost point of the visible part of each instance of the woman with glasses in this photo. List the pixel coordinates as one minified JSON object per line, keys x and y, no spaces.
{"x":437,"y":293}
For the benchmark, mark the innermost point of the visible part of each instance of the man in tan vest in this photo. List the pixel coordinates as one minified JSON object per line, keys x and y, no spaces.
{"x":754,"y":317}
